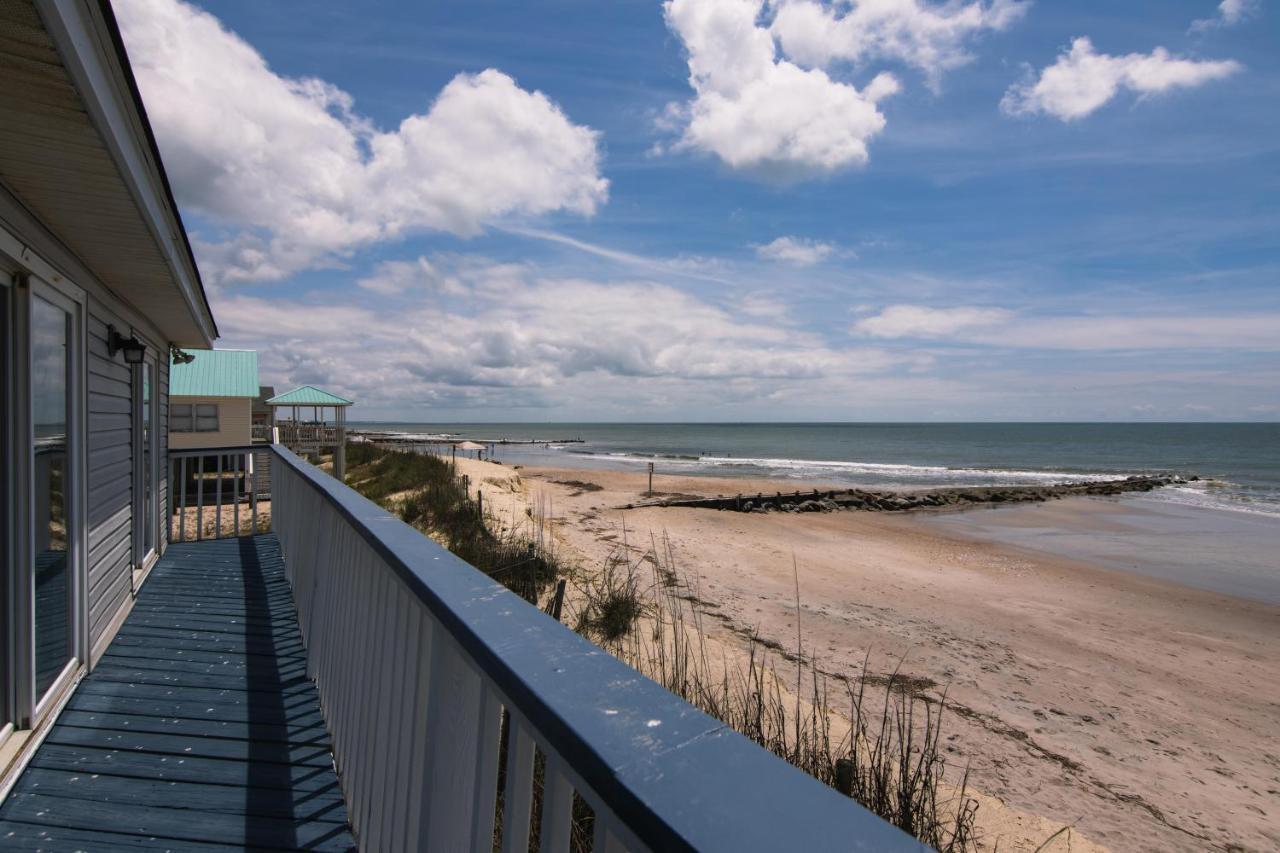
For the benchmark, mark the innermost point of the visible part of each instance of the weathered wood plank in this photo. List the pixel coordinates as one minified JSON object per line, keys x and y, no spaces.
{"x":179,"y":825}
{"x":326,"y":806}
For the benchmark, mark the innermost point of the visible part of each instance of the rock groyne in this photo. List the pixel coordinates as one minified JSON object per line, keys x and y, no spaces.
{"x":885,"y":501}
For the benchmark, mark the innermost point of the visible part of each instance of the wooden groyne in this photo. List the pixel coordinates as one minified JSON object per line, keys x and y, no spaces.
{"x":883,"y":501}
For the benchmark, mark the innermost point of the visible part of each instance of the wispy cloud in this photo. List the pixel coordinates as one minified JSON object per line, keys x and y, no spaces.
{"x":999,"y":327}
{"x":1230,"y":13}
{"x":690,"y":267}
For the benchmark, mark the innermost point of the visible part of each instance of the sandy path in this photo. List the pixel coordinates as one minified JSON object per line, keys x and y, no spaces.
{"x":1142,"y":712}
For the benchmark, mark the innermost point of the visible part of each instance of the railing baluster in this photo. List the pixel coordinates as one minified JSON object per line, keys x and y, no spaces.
{"x":603,"y":839}
{"x":557,"y":807}
{"x":217,"y":513}
{"x":417,"y":787}
{"x":487,"y":748}
{"x":253,"y":498}
{"x":236,"y":464}
{"x":200,"y":498}
{"x":390,"y":719}
{"x":402,"y":788}
{"x":182,"y":519}
{"x":366,"y":709}
{"x":453,"y":712}
{"x":171,"y":465}
{"x":518,"y":796}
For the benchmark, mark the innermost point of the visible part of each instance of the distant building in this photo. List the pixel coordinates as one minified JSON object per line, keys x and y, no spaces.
{"x":211,"y":399}
{"x":262,"y":413}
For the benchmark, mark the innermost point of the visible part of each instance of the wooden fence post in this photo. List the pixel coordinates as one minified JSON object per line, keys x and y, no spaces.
{"x":557,"y":603}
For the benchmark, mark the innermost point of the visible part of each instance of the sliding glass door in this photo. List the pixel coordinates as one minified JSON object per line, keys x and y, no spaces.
{"x":8,"y":685}
{"x":52,"y":336}
{"x":42,"y":541}
{"x":145,"y":484}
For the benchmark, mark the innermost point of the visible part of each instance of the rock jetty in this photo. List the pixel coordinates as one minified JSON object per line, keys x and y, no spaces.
{"x":879,"y":501}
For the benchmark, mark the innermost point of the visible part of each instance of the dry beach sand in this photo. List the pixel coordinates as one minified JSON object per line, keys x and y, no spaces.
{"x":1144,"y":713}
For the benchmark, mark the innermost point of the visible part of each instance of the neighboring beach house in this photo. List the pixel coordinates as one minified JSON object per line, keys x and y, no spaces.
{"x":211,"y":399}
{"x":189,"y":662}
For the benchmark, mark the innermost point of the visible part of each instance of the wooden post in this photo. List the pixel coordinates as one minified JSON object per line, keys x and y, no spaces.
{"x":557,"y":603}
{"x":480,"y":504}
{"x":650,"y":478}
{"x":844,"y":776}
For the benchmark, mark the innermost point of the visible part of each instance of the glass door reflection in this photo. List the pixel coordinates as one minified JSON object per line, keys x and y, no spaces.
{"x":51,"y":329}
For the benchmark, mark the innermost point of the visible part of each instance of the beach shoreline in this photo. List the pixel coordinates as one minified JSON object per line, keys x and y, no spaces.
{"x":1136,"y":709}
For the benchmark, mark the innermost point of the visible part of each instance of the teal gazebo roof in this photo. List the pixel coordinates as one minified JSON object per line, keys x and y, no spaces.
{"x":309,"y":395}
{"x":215,"y":373}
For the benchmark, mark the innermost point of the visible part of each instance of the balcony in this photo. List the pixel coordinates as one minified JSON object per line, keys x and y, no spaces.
{"x":343,"y":677}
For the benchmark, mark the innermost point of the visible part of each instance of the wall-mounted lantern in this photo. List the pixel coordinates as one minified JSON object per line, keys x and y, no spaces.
{"x":133,"y":349}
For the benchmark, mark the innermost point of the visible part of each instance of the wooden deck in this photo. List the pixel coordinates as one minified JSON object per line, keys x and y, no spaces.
{"x":198,"y":730}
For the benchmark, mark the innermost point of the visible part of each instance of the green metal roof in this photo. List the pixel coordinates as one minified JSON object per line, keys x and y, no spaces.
{"x":215,"y":373}
{"x":308,"y":395}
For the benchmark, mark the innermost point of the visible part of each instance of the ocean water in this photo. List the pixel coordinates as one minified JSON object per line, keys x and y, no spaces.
{"x":1239,"y":464}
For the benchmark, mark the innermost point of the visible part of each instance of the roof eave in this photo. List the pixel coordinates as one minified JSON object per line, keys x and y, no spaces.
{"x":88,"y":39}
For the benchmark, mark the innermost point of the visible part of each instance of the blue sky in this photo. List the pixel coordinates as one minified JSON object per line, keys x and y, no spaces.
{"x":735,"y":210}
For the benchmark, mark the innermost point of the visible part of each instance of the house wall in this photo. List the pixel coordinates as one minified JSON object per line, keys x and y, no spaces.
{"x":234,"y":424}
{"x":110,"y":558}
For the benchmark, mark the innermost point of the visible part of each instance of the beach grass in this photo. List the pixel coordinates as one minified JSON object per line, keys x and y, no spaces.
{"x":425,"y":492}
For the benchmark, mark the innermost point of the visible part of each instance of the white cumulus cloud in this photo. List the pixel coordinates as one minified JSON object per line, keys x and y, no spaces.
{"x":759,"y":112}
{"x":799,"y":251}
{"x":299,"y":179}
{"x":929,"y":37}
{"x":1082,"y":80}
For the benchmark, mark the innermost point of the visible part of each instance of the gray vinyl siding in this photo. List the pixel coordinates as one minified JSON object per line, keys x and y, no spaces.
{"x":110,"y":421}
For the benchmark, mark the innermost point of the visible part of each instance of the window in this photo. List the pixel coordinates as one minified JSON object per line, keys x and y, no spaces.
{"x":198,"y":417}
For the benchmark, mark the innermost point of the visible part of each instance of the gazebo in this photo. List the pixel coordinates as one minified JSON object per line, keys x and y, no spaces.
{"x":318,"y":433}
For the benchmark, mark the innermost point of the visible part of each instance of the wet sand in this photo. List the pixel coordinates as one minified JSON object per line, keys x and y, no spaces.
{"x":1144,"y":713}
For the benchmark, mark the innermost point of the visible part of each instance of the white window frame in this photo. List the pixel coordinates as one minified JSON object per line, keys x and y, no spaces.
{"x":30,"y":708}
{"x":146,"y":556}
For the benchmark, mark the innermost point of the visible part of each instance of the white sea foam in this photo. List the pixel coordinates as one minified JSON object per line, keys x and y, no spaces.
{"x":1217,"y":495}
{"x":880,"y":471}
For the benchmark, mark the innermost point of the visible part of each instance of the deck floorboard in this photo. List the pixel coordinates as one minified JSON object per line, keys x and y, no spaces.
{"x":198,"y":730}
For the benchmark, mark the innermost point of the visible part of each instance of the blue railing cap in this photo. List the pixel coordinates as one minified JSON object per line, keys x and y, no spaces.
{"x":676,"y":777}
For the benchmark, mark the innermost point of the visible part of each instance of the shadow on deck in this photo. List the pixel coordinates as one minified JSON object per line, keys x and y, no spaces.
{"x":198,"y":730}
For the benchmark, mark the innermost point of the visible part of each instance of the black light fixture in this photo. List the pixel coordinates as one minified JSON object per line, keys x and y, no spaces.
{"x":180,"y":357}
{"x":133,"y":348}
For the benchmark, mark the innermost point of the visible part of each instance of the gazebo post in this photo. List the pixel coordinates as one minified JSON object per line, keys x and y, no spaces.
{"x":340,"y":452}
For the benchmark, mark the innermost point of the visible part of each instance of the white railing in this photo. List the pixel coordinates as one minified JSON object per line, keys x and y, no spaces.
{"x":309,"y":435}
{"x":420,"y":658}
{"x":216,"y":492}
